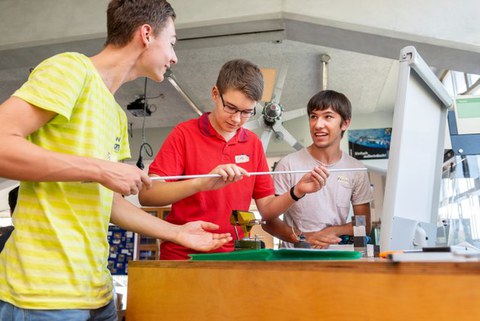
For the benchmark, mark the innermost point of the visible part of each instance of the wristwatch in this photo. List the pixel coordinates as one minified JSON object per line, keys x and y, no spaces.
{"x":293,"y":196}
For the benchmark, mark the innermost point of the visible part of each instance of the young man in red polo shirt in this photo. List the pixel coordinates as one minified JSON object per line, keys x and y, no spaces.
{"x":218,"y":141}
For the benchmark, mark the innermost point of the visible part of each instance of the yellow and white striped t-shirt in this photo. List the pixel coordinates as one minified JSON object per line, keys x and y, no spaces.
{"x":57,"y":256}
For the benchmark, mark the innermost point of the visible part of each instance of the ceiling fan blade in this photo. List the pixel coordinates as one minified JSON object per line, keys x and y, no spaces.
{"x":292,"y":114}
{"x":174,"y":82}
{"x":268,"y":83}
{"x":253,"y":124}
{"x":265,"y":138}
{"x":287,"y":137}
{"x":282,"y":75}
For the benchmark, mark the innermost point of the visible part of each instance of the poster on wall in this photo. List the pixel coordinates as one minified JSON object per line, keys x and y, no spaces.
{"x":122,"y":245}
{"x":369,"y":143}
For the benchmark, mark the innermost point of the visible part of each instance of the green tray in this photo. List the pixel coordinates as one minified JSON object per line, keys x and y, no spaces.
{"x":278,"y":255}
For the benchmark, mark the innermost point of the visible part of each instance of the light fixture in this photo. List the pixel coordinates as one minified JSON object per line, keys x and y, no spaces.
{"x":139,"y":108}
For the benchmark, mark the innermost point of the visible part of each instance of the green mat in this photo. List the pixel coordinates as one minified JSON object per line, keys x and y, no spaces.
{"x":278,"y":255}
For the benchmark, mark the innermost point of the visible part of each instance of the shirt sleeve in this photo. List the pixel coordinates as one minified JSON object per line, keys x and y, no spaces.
{"x":362,"y":192}
{"x":54,"y":85}
{"x":170,"y":159}
{"x":263,"y":186}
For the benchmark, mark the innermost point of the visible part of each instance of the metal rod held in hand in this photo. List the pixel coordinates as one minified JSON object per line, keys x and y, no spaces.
{"x":155,"y":178}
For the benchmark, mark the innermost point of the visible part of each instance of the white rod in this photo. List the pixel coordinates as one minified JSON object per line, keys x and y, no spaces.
{"x":155,"y":178}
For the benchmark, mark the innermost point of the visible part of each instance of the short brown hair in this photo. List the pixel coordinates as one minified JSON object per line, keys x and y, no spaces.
{"x":125,"y":16}
{"x":331,"y":99}
{"x":242,"y":75}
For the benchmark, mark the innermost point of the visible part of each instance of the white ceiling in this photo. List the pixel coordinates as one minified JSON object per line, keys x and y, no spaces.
{"x":363,"y":61}
{"x":198,"y":68}
{"x":369,"y":81}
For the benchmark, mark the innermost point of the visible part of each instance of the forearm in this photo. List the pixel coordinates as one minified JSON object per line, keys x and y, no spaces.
{"x":130,"y":217}
{"x":163,"y":193}
{"x":22,"y":160}
{"x":279,"y":229}
{"x":272,"y":206}
{"x":337,"y":230}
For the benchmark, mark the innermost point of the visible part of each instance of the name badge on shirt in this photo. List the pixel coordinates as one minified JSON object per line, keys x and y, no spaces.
{"x":241,"y":159}
{"x":343,"y":180}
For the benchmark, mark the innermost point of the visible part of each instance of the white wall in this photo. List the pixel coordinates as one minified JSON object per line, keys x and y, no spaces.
{"x":431,"y":21}
{"x":442,"y":22}
{"x":26,"y":23}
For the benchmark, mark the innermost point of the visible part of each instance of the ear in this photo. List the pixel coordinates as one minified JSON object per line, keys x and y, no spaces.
{"x":146,"y":33}
{"x":345,"y":125}
{"x":215,"y":92}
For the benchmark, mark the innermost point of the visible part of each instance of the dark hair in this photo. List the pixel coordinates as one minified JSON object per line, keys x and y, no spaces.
{"x":243,"y":75}
{"x":331,"y":99}
{"x":125,"y":16}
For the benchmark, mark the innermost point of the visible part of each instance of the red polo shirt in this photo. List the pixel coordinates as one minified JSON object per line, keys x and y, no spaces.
{"x":194,"y":147}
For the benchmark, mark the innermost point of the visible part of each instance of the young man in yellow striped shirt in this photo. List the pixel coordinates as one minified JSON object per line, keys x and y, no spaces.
{"x":62,"y":136}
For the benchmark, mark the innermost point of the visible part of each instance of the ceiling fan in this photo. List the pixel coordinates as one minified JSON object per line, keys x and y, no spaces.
{"x":273,"y":114}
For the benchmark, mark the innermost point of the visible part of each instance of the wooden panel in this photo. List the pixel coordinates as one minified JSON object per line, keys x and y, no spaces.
{"x":321,"y":290}
{"x":269,"y":76}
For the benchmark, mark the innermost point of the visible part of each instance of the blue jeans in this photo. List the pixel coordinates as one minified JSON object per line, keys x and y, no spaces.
{"x":10,"y":312}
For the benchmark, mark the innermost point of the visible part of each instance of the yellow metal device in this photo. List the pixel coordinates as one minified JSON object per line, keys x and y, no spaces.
{"x":246,"y":220}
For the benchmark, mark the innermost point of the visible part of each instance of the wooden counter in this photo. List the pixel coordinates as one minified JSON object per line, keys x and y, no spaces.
{"x":294,"y":290}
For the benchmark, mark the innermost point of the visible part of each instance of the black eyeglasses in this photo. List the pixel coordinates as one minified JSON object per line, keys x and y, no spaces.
{"x":233,"y":110}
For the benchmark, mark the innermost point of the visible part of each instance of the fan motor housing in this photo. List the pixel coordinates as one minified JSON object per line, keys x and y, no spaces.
{"x":272,"y":112}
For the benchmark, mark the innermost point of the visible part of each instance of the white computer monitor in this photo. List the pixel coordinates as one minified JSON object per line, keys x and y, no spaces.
{"x":412,"y":186}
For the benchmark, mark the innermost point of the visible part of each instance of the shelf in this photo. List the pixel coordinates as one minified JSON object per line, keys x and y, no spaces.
{"x":148,"y":248}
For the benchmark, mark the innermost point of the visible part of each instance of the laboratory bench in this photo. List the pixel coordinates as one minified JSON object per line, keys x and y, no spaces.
{"x":364,"y":289}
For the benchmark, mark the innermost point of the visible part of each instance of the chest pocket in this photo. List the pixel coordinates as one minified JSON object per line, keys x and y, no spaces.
{"x":343,"y":194}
